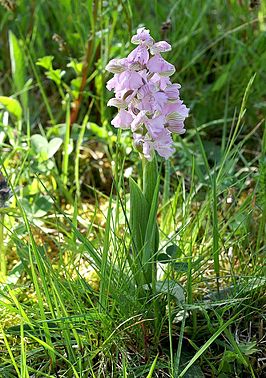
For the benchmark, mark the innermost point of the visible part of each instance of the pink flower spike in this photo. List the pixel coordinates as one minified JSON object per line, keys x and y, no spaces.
{"x":159,"y":65}
{"x":148,"y":102}
{"x":122,"y":120}
{"x":142,"y":36}
{"x":159,"y":47}
{"x":139,"y":55}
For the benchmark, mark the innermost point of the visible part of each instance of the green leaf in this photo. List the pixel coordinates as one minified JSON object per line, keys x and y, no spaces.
{"x":139,"y":214}
{"x":180,"y":266}
{"x":97,"y":130}
{"x":150,"y":176}
{"x":248,"y":348}
{"x":12,"y":106}
{"x":53,"y":146}
{"x":55,"y":75}
{"x":39,"y":143}
{"x":41,"y":206}
{"x":194,"y":371}
{"x":151,"y":236}
{"x":163,"y":258}
{"x":174,"y":251}
{"x":18,"y":67}
{"x":170,"y":287}
{"x":77,"y":66}
{"x":46,"y":62}
{"x":220,"y":82}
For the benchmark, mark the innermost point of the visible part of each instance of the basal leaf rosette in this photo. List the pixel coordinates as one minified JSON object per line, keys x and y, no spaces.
{"x":148,"y":102}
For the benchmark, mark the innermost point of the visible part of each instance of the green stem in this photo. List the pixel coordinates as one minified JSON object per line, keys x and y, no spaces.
{"x":2,"y":249}
{"x":66,"y":146}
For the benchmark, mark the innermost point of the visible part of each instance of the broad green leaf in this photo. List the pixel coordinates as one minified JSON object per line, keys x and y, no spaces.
{"x":41,"y":206}
{"x":150,"y":176}
{"x":12,"y":106}
{"x":163,"y":258}
{"x":39,"y":143}
{"x":18,"y":67}
{"x":139,"y":214}
{"x":174,"y":251}
{"x":151,"y":236}
{"x":53,"y":146}
{"x":180,"y":266}
{"x":169,"y":287}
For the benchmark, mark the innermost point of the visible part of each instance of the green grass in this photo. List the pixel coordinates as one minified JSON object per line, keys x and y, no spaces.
{"x":69,"y":303}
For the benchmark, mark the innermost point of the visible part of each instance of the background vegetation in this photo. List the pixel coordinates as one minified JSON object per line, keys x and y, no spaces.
{"x":68,"y":307}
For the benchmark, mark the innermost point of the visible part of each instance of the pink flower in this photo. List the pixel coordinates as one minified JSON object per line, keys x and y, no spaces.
{"x":139,"y":55}
{"x":127,"y":80}
{"x":118,"y":103}
{"x":151,"y":100}
{"x":160,"y":81}
{"x":159,"y":47}
{"x":155,"y":126}
{"x":148,"y":102}
{"x":116,"y":66}
{"x":159,"y":65}
{"x":163,"y":144}
{"x":139,"y":120}
{"x":122,"y":120}
{"x":172,"y":91}
{"x":142,"y":36}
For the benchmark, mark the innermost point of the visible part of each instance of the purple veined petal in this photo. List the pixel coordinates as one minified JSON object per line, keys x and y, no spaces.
{"x":139,"y":55}
{"x":145,"y":90}
{"x":139,"y":120}
{"x":159,"y":47}
{"x":117,"y":102}
{"x":165,"y":151}
{"x":116,"y":66}
{"x":112,"y":83}
{"x":164,"y":144}
{"x":138,"y":141}
{"x":142,"y":36}
{"x":155,"y":126}
{"x":151,"y":100}
{"x":129,"y":80}
{"x":176,"y":110}
{"x":122,"y":120}
{"x":160,"y":81}
{"x":172,"y":92}
{"x":148,"y":149}
{"x":159,"y":65}
{"x":177,"y":128}
{"x":175,"y":117}
{"x":160,"y":99}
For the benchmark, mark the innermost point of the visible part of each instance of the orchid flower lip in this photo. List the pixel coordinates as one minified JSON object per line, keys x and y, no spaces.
{"x":148,"y":102}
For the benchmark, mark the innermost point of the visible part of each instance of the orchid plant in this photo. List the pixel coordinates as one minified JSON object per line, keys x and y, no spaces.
{"x":149,"y":105}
